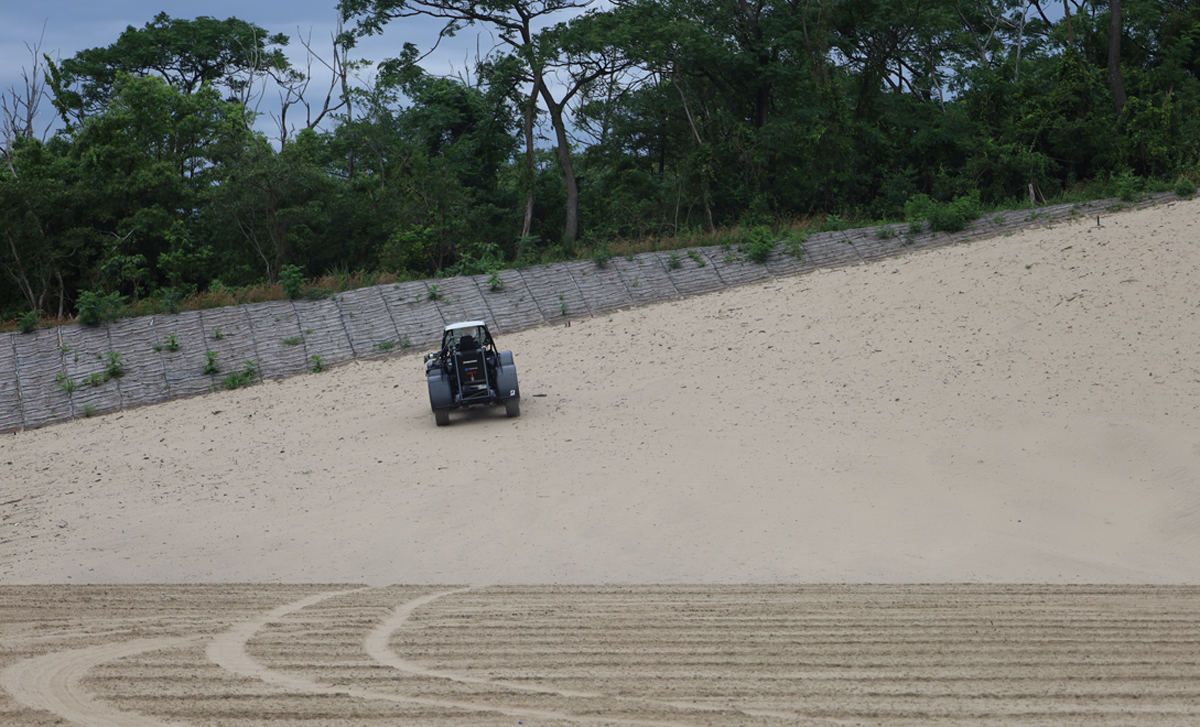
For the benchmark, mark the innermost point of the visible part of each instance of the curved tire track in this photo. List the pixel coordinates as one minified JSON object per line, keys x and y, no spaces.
{"x":228,"y":650}
{"x":52,"y":682}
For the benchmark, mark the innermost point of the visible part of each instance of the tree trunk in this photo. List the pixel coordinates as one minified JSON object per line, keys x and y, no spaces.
{"x":1115,"y":81}
{"x":571,"y":226}
{"x":530,"y":170}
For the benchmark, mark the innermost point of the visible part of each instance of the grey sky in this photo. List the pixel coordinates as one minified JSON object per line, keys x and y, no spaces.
{"x":65,"y":27}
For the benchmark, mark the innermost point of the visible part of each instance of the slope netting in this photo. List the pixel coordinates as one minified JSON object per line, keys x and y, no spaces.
{"x":71,"y":371}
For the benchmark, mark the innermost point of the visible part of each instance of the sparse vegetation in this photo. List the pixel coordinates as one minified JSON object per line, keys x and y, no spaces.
{"x":114,"y":365}
{"x":211,"y":367}
{"x":293,"y":340}
{"x":170,"y":343}
{"x":316,"y":363}
{"x":246,"y":376}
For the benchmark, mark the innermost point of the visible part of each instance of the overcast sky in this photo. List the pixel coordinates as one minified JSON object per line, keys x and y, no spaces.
{"x":65,"y":27}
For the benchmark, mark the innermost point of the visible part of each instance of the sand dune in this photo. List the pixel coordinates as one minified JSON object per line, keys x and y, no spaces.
{"x":1016,"y":410}
{"x":1021,"y":409}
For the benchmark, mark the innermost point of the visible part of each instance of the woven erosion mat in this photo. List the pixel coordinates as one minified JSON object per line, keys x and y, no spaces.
{"x":690,"y":272}
{"x":555,"y":292}
{"x":368,"y":322}
{"x":732,"y":267}
{"x":280,"y":340}
{"x":509,"y":301}
{"x":645,"y":277}
{"x":458,"y":299}
{"x":42,"y":377}
{"x":230,"y":338}
{"x":601,"y":287}
{"x":184,"y":367}
{"x":324,"y":333}
{"x":10,"y":394}
{"x":417,"y":318}
{"x":140,"y":347}
{"x":872,"y":244}
{"x":90,"y":360}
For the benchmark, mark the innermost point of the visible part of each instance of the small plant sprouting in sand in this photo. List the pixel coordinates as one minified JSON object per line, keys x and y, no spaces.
{"x":293,"y":341}
{"x":674,"y":261}
{"x":317,"y":364}
{"x":385,"y":345}
{"x":89,"y":411}
{"x":495,"y":283}
{"x":66,"y":383}
{"x":562,"y":304}
{"x":435,"y":292}
{"x":211,"y":367}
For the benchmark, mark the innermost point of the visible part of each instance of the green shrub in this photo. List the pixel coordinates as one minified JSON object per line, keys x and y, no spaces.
{"x":758,"y":243}
{"x":211,"y":367}
{"x":795,"y":242}
{"x":601,"y":256}
{"x":94,"y":309}
{"x":941,"y":216}
{"x":28,"y":321}
{"x":291,"y":279}
{"x":673,"y":261}
{"x":318,"y":364}
{"x":1128,"y":186}
{"x":1185,"y":188}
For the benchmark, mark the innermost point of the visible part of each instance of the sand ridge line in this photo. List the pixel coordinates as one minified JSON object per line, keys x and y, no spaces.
{"x":51,"y":682}
{"x":376,"y":644}
{"x":228,"y":651}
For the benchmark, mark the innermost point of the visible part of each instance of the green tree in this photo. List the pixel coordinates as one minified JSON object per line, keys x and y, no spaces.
{"x":188,"y":54}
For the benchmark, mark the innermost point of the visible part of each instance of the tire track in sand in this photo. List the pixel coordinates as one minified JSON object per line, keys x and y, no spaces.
{"x":228,"y":650}
{"x":51,"y":682}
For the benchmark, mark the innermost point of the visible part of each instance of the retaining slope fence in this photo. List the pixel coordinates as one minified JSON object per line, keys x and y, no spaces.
{"x":54,"y":374}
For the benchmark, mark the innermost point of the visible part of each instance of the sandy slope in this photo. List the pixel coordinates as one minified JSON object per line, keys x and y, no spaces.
{"x":551,"y":656}
{"x":1023,"y":409}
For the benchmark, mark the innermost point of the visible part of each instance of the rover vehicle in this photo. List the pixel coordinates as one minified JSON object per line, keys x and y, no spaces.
{"x":469,"y":371}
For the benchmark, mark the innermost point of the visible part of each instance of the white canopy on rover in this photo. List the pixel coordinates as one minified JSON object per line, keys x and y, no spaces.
{"x":464,"y":324}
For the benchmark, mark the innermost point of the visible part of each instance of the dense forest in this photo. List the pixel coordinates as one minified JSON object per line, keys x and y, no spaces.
{"x":582,"y":129}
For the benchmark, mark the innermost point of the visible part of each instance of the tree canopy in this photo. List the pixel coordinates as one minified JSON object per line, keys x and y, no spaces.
{"x":583,"y":127}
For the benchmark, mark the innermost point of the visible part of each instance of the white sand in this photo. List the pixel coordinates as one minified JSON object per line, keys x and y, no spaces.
{"x":1023,"y":409}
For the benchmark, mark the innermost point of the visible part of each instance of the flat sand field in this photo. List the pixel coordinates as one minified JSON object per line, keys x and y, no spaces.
{"x":960,"y":486}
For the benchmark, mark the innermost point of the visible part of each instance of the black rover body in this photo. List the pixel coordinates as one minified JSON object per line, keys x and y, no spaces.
{"x":469,"y":371}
